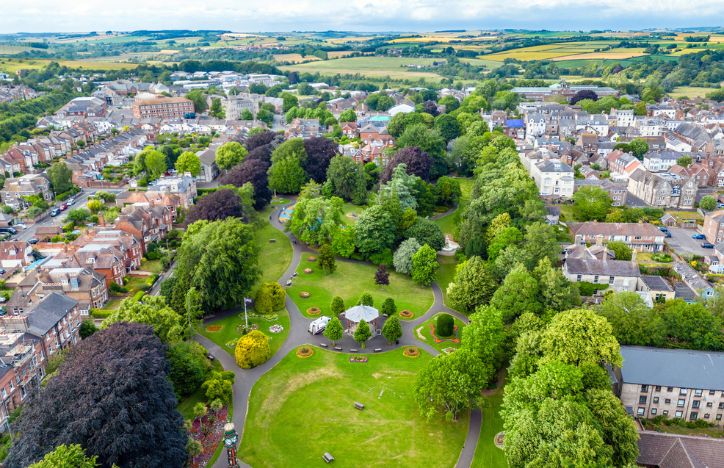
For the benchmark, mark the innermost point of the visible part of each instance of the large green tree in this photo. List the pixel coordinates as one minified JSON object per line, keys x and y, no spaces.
{"x":316,"y":220}
{"x":347,"y":179}
{"x":60,"y":175}
{"x":68,"y":456}
{"x":189,"y":162}
{"x":518,"y":294}
{"x":472,"y":286}
{"x":230,"y":154}
{"x":168,"y":325}
{"x":591,"y":203}
{"x":375,"y":231}
{"x":424,"y":265}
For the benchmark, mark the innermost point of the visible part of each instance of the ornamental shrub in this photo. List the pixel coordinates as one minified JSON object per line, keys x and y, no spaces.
{"x":445,"y":325}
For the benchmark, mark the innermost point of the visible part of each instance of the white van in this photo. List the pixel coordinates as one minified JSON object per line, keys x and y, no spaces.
{"x":317,"y":326}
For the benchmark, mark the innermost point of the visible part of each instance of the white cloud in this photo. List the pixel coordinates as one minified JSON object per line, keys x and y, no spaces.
{"x":369,"y":15}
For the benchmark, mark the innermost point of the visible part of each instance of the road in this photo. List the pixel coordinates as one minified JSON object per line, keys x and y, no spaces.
{"x":246,"y":378}
{"x":80,"y":201}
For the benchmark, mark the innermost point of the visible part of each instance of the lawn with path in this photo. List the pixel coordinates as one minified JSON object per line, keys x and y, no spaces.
{"x":350,"y":281}
{"x":231,"y":323}
{"x":445,"y":274}
{"x":448,"y":223}
{"x":275,"y":250}
{"x":487,"y":454}
{"x":423,"y":332}
{"x":303,"y":408}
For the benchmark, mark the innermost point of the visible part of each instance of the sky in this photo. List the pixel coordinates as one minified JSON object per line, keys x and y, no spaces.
{"x":353,"y":15}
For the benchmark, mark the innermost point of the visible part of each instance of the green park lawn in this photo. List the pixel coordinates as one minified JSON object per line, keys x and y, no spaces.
{"x":445,"y":274}
{"x":350,"y":281}
{"x":424,"y":334}
{"x":228,"y":334}
{"x":303,"y":408}
{"x":152,"y":266}
{"x":487,"y":455}
{"x":448,"y":224}
{"x":275,"y":250}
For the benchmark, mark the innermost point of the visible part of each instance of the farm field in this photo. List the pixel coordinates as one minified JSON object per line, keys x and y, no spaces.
{"x":690,"y":92}
{"x":373,"y":67}
{"x":549,"y":51}
{"x":612,"y":54}
{"x":9,"y":65}
{"x":295,"y":58}
{"x":303,"y":408}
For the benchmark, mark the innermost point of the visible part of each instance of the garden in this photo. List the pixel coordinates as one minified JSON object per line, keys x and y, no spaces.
{"x":225,"y":331}
{"x":349,"y":281}
{"x":303,"y":408}
{"x":442,"y":331}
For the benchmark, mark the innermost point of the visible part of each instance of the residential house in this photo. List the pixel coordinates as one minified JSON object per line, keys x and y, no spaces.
{"x":161,"y":107}
{"x":84,"y":285}
{"x":104,"y":259}
{"x":183,"y":186}
{"x":663,"y":189}
{"x":660,"y":161}
{"x":15,"y":254}
{"x":146,"y":223}
{"x":657,"y":288}
{"x":303,"y":128}
{"x":209,"y":169}
{"x":553,"y":178}
{"x":694,"y":280}
{"x":714,"y":226}
{"x":674,"y":383}
{"x":642,"y":237}
{"x":616,"y":190}
{"x":27,"y":185}
{"x":662,"y":450}
{"x":619,"y":275}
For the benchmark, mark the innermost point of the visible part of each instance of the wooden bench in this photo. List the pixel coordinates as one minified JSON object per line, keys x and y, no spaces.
{"x":323,"y":345}
{"x":359,"y":405}
{"x":338,"y":348}
{"x":327,"y":457}
{"x":377,"y":350}
{"x":353,"y":350}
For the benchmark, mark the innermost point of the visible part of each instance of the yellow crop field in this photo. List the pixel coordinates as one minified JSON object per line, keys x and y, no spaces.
{"x":339,"y":54}
{"x":612,"y":54}
{"x":295,"y":58}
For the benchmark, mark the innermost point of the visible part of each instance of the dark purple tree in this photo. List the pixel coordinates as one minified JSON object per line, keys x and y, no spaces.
{"x":382,"y":276}
{"x":218,"y":205}
{"x":254,"y":171}
{"x":262,"y":153}
{"x":418,"y":163}
{"x":260,"y":139}
{"x":584,"y":94}
{"x":320,"y":152}
{"x":112,"y":396}
{"x":430,"y":107}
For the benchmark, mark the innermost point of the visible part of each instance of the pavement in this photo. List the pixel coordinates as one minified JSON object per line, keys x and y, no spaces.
{"x":682,"y":243}
{"x":246,"y":378}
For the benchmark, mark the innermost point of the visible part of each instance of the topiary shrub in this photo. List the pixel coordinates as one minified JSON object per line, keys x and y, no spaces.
{"x":252,"y":349}
{"x":389,"y":308}
{"x":366,"y":299}
{"x":445,"y":325}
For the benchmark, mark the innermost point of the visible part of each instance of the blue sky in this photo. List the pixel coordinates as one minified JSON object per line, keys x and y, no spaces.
{"x":354,"y":15}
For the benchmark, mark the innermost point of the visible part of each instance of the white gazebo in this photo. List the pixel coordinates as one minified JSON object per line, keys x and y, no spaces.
{"x":354,"y":315}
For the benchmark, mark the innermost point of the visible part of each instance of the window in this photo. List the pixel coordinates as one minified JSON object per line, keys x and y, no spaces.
{"x":667,"y":401}
{"x":706,"y":415}
{"x":681,"y":403}
{"x":698,"y":392}
{"x":640,"y":411}
{"x":721,"y":405}
{"x":658,"y":388}
{"x":712,"y":392}
{"x":678,"y":414}
{"x":653,"y":411}
{"x":718,"y":417}
{"x":666,"y":412}
{"x":610,"y":279}
{"x":709,"y":404}
{"x":694,"y":416}
{"x":595,"y":279}
{"x":579,"y":278}
{"x":642,"y":400}
{"x":682,"y":391}
{"x":669,"y":389}
{"x":656,"y":399}
{"x":696,"y":404}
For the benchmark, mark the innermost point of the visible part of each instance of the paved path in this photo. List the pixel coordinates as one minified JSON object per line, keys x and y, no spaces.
{"x":246,"y":378}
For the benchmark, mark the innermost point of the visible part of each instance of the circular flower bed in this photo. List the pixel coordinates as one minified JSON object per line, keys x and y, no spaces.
{"x":276,"y":328}
{"x":313,"y":311}
{"x":411,"y":351}
{"x":304,"y":294}
{"x":213,"y":328}
{"x":407,"y":314}
{"x":311,"y":258}
{"x":307,"y":270}
{"x":304,"y":351}
{"x":499,"y":440}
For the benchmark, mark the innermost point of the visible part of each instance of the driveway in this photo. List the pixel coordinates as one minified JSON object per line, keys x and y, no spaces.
{"x":682,"y":243}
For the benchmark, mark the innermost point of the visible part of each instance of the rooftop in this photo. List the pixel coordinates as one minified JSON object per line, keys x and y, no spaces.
{"x":682,"y":368}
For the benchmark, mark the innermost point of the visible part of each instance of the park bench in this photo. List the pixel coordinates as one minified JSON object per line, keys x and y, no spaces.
{"x":377,"y":350}
{"x":353,"y":350}
{"x":359,"y":405}
{"x":338,"y":348}
{"x":323,"y":345}
{"x":327,"y":457}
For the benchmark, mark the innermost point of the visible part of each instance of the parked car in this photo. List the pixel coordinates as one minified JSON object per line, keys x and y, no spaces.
{"x":9,"y":230}
{"x":63,"y":207}
{"x":54,"y":212}
{"x":20,"y":226}
{"x":317,"y":326}
{"x":663,"y":229}
{"x":698,"y":236}
{"x":2,"y":271}
{"x":707,"y":245}
{"x":33,"y":241}
{"x":667,"y":234}
{"x":71,"y":201}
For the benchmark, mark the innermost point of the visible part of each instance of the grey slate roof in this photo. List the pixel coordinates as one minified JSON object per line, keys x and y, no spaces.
{"x":656,"y":283}
{"x":682,"y":368}
{"x":49,"y":312}
{"x":679,"y":451}
{"x":591,"y":266}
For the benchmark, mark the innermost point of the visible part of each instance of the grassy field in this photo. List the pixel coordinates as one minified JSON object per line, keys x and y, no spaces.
{"x":549,"y":51}
{"x":612,"y":54}
{"x":303,"y":408}
{"x":487,"y":455}
{"x":690,"y":92}
{"x":226,"y":336}
{"x":445,"y":274}
{"x":448,"y":223}
{"x":424,"y":334}
{"x":295,"y":58}
{"x":275,"y":250}
{"x":14,"y":65}
{"x":350,"y":281}
{"x":372,"y":67}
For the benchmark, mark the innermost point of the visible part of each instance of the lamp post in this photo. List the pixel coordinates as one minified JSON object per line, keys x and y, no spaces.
{"x":230,"y":440}
{"x":246,"y":317}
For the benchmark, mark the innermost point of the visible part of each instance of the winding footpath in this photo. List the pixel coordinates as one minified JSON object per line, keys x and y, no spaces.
{"x":246,"y":378}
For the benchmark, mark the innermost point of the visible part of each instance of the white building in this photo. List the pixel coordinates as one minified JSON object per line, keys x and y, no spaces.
{"x":553,"y":177}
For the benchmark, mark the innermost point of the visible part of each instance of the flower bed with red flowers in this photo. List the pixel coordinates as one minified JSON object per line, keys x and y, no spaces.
{"x":208,"y":430}
{"x":407,"y":314}
{"x":453,"y":339}
{"x":410,"y":351}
